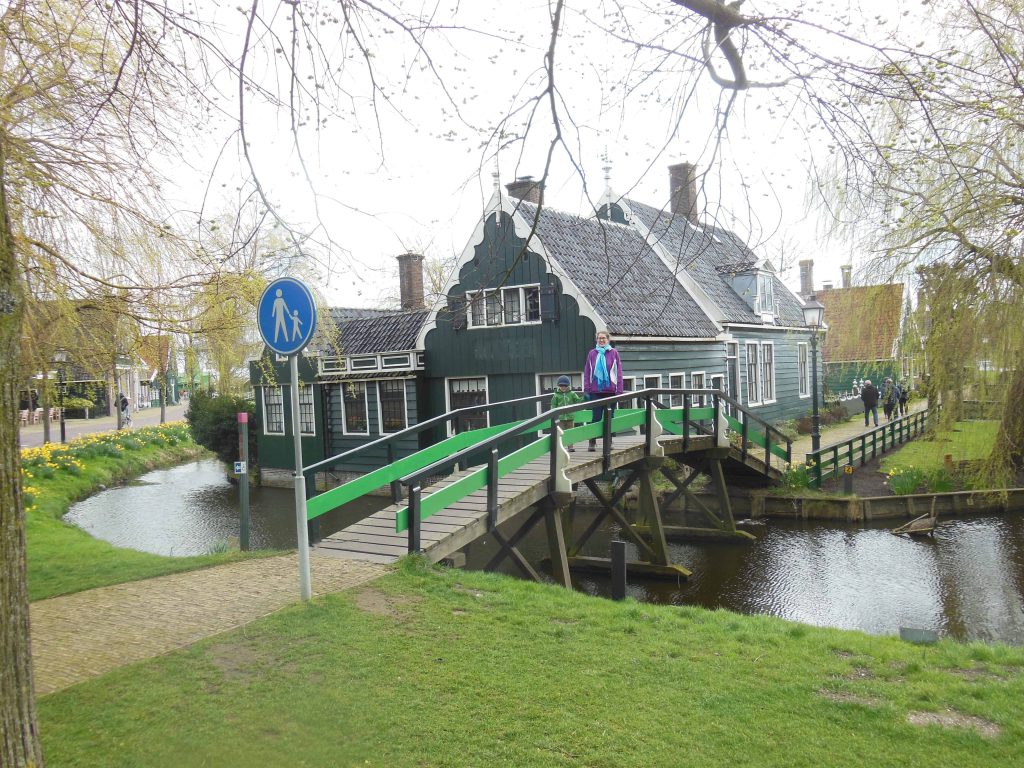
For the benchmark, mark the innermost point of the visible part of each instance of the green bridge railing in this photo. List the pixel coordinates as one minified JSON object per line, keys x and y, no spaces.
{"x":829,"y":461}
{"x":703,"y":412}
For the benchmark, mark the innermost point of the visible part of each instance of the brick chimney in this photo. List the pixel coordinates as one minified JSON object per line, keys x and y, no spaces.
{"x":682,"y":185}
{"x":827,"y":285}
{"x":847,"y":272}
{"x":526,"y":189}
{"x":410,"y":280}
{"x":806,"y":278}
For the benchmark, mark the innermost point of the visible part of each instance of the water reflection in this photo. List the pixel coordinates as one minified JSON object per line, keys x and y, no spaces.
{"x":967,"y":583}
{"x":190,"y":509}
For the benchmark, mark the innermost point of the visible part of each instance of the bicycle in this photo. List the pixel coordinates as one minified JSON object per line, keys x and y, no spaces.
{"x":126,"y":418}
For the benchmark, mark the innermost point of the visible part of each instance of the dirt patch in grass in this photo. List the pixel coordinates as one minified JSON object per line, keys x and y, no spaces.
{"x":953,"y":719}
{"x":861,"y":673}
{"x":845,"y":697}
{"x":979,"y":674}
{"x":467,"y":591}
{"x":381,"y":604}
{"x":237,"y":661}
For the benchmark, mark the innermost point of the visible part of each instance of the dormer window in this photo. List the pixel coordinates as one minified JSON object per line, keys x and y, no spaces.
{"x":764,"y":303}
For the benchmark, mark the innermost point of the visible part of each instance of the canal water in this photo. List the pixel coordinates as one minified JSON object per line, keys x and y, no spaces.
{"x":967,"y":583}
{"x":191,"y":509}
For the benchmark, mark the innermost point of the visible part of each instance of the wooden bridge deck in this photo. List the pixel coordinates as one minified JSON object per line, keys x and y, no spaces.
{"x":444,"y":533}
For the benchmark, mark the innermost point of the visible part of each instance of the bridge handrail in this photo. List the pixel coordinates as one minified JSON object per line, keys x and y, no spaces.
{"x":536,"y":422}
{"x":825,"y":463}
{"x":392,"y":438}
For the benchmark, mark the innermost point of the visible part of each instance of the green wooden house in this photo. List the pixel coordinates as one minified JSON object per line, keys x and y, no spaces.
{"x":364,"y":383}
{"x":688,"y":305}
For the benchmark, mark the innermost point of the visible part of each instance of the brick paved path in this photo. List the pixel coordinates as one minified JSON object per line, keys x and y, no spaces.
{"x":80,"y":636}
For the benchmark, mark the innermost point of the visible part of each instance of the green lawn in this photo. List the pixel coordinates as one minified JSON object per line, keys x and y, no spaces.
{"x":449,"y":668}
{"x":63,"y":558}
{"x":966,"y":441}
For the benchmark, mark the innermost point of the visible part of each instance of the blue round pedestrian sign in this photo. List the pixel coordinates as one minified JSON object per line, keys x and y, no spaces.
{"x":286,"y":315}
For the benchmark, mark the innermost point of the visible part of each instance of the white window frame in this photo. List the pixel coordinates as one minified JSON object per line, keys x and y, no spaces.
{"x":354,"y":363}
{"x":307,"y":402}
{"x":701,"y":399}
{"x":395,"y":361}
{"x":803,"y":367}
{"x":380,"y":409}
{"x":676,"y":401}
{"x":767,"y":372}
{"x":481,"y":296}
{"x":266,"y":423}
{"x":753,"y":368}
{"x":448,"y":398}
{"x":765,"y":294}
{"x":629,"y":385}
{"x":366,"y":407}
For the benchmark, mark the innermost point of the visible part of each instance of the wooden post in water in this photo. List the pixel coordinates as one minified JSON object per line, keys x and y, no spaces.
{"x":243,"y":480}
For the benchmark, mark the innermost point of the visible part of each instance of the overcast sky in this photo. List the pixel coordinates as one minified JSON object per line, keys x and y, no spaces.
{"x":413,"y":171}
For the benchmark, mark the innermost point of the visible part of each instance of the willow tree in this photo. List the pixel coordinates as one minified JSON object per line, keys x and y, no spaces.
{"x":90,"y":93}
{"x":934,"y":186}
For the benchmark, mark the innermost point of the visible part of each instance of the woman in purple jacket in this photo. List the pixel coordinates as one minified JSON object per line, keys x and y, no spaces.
{"x":602,"y":377}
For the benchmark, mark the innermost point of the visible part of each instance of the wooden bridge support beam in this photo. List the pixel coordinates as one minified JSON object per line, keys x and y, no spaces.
{"x":723,"y":525}
{"x":650,"y":513}
{"x":654,"y":561}
{"x":509,"y":547}
{"x":556,"y":542}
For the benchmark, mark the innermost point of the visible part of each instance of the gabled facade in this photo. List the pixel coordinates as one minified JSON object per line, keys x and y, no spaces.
{"x":688,"y":306}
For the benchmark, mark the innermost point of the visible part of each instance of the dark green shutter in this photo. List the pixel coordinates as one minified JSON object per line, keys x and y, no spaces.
{"x":548,"y":304}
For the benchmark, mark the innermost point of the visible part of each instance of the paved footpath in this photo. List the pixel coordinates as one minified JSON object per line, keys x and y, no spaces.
{"x":852,"y":428}
{"x":80,"y":636}
{"x":31,"y":435}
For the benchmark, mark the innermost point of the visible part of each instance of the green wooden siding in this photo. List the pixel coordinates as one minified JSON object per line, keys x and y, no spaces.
{"x":511,"y":356}
{"x":788,"y":404}
{"x":277,"y":451}
{"x":374,"y":457}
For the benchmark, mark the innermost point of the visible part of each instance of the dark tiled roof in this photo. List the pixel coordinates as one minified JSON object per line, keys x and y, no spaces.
{"x":344,"y":314}
{"x":709,"y":255}
{"x":864,"y":322}
{"x":621,"y":276}
{"x":378,"y":332}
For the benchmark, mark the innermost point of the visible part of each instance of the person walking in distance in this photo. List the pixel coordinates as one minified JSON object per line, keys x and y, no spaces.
{"x":869,"y":394}
{"x":904,"y":398}
{"x":890,"y":398}
{"x":126,"y":412}
{"x":602,"y":377}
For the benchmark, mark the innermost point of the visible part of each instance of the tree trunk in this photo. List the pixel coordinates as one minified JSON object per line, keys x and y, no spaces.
{"x":44,"y":400}
{"x":163,"y":399}
{"x":19,"y":732}
{"x":1008,"y":451}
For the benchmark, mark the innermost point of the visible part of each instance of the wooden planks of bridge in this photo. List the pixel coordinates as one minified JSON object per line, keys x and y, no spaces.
{"x":374,"y":539}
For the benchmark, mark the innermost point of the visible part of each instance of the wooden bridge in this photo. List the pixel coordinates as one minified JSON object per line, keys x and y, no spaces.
{"x":464,"y":487}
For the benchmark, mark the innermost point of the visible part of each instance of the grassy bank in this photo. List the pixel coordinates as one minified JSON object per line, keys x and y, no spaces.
{"x":966,"y":441}
{"x":428,"y":668}
{"x":63,"y":558}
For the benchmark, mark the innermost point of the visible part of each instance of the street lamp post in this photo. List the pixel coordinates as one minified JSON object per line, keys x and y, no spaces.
{"x":61,"y":357}
{"x":813,"y":311}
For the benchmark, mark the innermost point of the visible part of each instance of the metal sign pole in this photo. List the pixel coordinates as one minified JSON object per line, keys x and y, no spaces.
{"x":300,"y":486}
{"x":286,"y":316}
